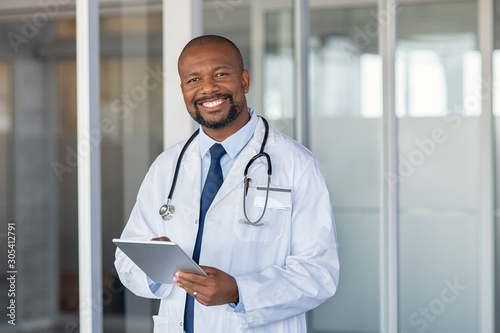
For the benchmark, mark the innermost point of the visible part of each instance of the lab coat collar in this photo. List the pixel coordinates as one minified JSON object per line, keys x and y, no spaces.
{"x":235,"y":176}
{"x":235,"y":143}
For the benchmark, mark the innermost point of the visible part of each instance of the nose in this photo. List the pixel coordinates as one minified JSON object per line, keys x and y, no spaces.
{"x":209,"y":86}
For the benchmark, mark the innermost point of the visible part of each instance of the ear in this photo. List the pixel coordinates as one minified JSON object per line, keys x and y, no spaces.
{"x":245,"y":81}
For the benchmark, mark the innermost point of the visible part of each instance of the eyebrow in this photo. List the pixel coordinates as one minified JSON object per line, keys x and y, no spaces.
{"x":222,"y":67}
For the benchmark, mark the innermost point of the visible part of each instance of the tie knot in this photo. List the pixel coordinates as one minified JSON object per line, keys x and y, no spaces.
{"x":217,"y":151}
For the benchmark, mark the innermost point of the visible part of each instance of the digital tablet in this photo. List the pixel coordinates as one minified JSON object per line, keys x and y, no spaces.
{"x":159,"y":260}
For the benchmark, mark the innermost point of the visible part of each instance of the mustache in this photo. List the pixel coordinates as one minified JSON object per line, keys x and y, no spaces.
{"x":214,"y":96}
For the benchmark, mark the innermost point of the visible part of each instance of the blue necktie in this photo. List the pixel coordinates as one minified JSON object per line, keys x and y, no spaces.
{"x":212,"y":184}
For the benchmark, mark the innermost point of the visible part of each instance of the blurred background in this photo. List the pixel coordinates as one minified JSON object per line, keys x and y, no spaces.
{"x":442,"y":187}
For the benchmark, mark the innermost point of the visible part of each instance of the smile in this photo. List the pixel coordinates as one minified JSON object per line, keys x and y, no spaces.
{"x":212,"y":104}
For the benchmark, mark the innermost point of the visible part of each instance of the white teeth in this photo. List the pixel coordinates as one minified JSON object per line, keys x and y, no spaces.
{"x":213,"y":103}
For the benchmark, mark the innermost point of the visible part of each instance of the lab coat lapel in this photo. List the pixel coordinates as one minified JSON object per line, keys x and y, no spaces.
{"x":189,"y":180}
{"x":235,"y":175}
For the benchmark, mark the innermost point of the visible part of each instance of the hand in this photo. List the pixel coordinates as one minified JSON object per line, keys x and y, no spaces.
{"x":215,"y":289}
{"x":161,"y":239}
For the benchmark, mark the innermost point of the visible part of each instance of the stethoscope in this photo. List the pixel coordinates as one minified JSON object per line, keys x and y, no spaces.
{"x":167,"y":211}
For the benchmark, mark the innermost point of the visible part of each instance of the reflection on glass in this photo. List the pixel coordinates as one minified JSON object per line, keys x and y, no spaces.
{"x":66,"y":70}
{"x":6,"y":157}
{"x":434,"y":81}
{"x":231,"y":20}
{"x":38,"y":162}
{"x":44,"y":162}
{"x":345,"y":87}
{"x":6,"y":127}
{"x":438,"y":103}
{"x":132,"y":137}
{"x":278,"y":97}
{"x":276,"y":75}
{"x":345,"y":70}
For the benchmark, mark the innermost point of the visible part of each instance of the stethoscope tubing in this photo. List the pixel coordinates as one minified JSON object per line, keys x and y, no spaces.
{"x":167,"y":210}
{"x":179,"y":161}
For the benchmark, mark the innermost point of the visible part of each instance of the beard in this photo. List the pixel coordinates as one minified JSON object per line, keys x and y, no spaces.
{"x":234,"y":112}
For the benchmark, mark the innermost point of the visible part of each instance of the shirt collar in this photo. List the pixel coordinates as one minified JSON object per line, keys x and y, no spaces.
{"x":233,"y":144}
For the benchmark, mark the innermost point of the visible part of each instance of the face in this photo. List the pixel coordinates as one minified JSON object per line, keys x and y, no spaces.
{"x":214,"y":88}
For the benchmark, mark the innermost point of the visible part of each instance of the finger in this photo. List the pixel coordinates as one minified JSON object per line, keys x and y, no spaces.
{"x":161,"y":239}
{"x":195,"y":291}
{"x":191,"y":278}
{"x":183,"y":280}
{"x":209,"y":270}
{"x":198,"y":297}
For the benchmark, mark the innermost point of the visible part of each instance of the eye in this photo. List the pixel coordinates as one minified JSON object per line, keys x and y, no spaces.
{"x":221,"y":74}
{"x":195,"y":79}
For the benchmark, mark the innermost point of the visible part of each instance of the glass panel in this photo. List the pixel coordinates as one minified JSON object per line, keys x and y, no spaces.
{"x":132,"y":137}
{"x":6,"y":127}
{"x":268,"y":57}
{"x":38,"y":169}
{"x":278,"y":70}
{"x":438,"y":77}
{"x":66,"y":76}
{"x":6,"y":183}
{"x":230,"y":19}
{"x":346,"y":135}
{"x":263,"y":30}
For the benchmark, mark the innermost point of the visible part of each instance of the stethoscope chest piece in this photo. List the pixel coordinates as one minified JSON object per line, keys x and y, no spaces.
{"x":167,"y":211}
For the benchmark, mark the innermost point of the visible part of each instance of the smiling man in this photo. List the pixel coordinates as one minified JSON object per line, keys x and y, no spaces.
{"x":214,"y":84}
{"x":269,"y":249}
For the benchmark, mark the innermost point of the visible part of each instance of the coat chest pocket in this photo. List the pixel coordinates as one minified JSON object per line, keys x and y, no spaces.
{"x":268,"y":230}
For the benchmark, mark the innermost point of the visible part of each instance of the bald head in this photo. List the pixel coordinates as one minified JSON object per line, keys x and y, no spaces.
{"x":214,"y":40}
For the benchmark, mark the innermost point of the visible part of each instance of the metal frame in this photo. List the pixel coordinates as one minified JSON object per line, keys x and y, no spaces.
{"x":487,"y":227}
{"x":89,"y":166}
{"x":301,"y":49}
{"x":182,"y":20}
{"x":257,"y":34}
{"x":389,"y":217}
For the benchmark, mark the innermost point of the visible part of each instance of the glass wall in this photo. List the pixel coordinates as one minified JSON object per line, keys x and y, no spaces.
{"x":438,"y":72}
{"x":39,"y":158}
{"x":6,"y":183}
{"x":233,"y":21}
{"x":132,"y":137}
{"x":345,"y":109}
{"x":37,"y":171}
{"x":6,"y":126}
{"x":438,"y":77}
{"x":263,"y":30}
{"x":278,"y":79}
{"x":345,"y":94}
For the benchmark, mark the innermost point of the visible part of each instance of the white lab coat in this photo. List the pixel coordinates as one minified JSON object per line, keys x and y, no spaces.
{"x":282,"y":269}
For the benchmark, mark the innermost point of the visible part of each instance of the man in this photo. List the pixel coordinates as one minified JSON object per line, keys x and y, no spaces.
{"x":262,"y":275}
